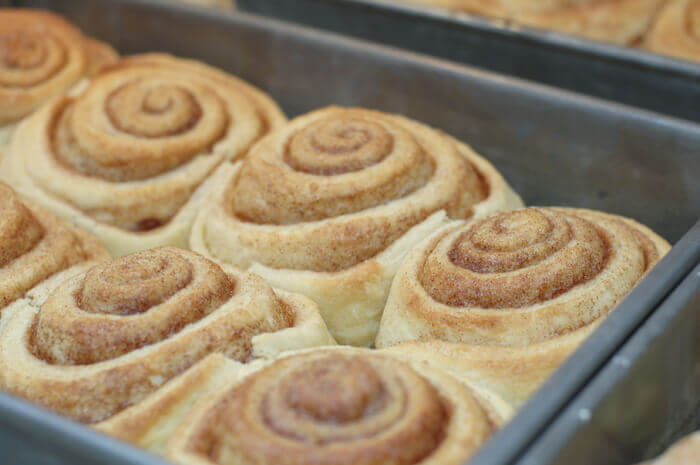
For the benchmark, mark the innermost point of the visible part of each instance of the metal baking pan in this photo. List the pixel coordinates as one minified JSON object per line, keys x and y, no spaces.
{"x":646,"y":396}
{"x":622,"y":74}
{"x":555,"y":147}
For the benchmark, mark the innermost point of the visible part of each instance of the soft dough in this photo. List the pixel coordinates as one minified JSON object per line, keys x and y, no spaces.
{"x":513,"y":294}
{"x":102,"y":340}
{"x":130,"y":158}
{"x":336,"y":405}
{"x":330,"y":204}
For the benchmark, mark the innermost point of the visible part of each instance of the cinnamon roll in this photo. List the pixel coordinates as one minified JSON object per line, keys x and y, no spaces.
{"x":335,"y":406}
{"x":105,"y":339}
{"x":676,"y":30}
{"x":616,"y":21}
{"x":41,"y":56}
{"x":684,"y":452}
{"x":36,"y":246}
{"x":131,"y":157}
{"x":328,"y":206}
{"x":522,"y":289}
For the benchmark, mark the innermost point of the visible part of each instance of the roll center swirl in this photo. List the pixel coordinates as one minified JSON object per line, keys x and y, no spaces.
{"x":339,"y":163}
{"x":341,"y":392}
{"x":515,"y":259}
{"x":133,"y":123}
{"x":338,"y":146}
{"x":132,"y":302}
{"x":135,"y":283}
{"x":28,"y":59}
{"x":327,"y":409}
{"x":157,"y":101}
{"x":153,"y":109}
{"x":511,"y":232}
{"x":21,"y":50}
{"x":510,"y":241}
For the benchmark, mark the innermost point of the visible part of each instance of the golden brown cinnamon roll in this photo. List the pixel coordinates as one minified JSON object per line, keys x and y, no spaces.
{"x":41,"y":56}
{"x":105,"y":339}
{"x":676,"y":30}
{"x":325,"y":406}
{"x":523,"y":287}
{"x":130,"y":157}
{"x":617,"y":21}
{"x":328,"y":205}
{"x":684,"y":452}
{"x":35,"y":246}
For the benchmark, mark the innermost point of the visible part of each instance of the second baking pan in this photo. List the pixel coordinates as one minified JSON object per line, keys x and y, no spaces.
{"x":611,"y":72}
{"x":556,"y":148}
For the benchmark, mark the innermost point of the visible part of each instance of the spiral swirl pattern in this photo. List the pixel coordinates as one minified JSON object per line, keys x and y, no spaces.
{"x":617,"y":21}
{"x":129,"y":156}
{"x":514,"y":253}
{"x":518,"y":278}
{"x":345,"y":162}
{"x":35,"y":245}
{"x":676,"y":30}
{"x":331,"y":198}
{"x":338,"y":406}
{"x":41,"y":55}
{"x":105,"y":339}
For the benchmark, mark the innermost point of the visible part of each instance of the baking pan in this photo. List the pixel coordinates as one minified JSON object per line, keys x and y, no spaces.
{"x":622,"y":74}
{"x":555,"y":147}
{"x":646,"y":396}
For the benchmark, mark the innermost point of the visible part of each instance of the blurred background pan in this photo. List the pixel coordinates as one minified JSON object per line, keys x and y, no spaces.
{"x":555,"y":147}
{"x":622,"y":74}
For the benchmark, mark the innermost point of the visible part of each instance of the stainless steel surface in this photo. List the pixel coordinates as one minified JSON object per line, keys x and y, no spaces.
{"x":32,"y":436}
{"x":555,"y":147}
{"x":623,"y":74}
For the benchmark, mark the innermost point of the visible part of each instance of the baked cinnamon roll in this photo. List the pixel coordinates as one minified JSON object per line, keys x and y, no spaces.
{"x":328,"y":205}
{"x":131,"y":157}
{"x":41,"y":56}
{"x":676,"y":30}
{"x":523,"y":288}
{"x":105,"y":339}
{"x":326,"y":406}
{"x":616,"y":21}
{"x":35,"y":246}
